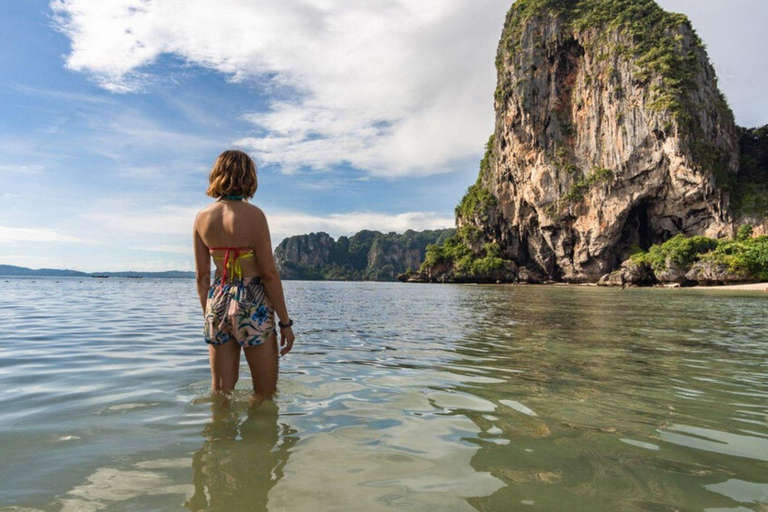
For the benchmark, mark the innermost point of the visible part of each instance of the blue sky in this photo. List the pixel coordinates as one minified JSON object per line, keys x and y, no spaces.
{"x":359,"y":115}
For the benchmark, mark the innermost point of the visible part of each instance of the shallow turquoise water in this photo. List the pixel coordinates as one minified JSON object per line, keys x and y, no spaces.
{"x":396,"y":396}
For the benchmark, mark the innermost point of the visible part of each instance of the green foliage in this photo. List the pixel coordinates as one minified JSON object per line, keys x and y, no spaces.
{"x":679,"y":249}
{"x":715,"y":160}
{"x":745,"y":254}
{"x":568,"y":128}
{"x":490,"y":263}
{"x":580,"y":187}
{"x":744,"y":233}
{"x":455,"y":249}
{"x":749,"y":195}
{"x":748,"y":256}
{"x":750,"y":199}
{"x":753,"y":147}
{"x":359,"y":245}
{"x":478,"y":202}
{"x":485,"y":163}
{"x":457,"y":253}
{"x":433,"y":257}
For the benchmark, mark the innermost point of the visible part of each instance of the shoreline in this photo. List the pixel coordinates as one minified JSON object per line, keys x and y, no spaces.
{"x":754,"y":287}
{"x":749,"y":287}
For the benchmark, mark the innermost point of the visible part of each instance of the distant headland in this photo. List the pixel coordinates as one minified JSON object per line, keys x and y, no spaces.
{"x":14,"y":271}
{"x":365,"y":256}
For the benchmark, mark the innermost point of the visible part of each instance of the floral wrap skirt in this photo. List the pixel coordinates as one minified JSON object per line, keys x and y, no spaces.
{"x":238,"y":309}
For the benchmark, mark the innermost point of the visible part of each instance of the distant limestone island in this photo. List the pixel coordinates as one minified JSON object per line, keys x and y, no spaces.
{"x":615,"y":159}
{"x":364,"y":256}
{"x":11,"y":270}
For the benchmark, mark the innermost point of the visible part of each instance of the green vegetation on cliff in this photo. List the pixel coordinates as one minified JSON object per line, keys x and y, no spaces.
{"x":466,"y":253}
{"x":457,"y":253}
{"x":668,"y":62}
{"x":365,"y":256}
{"x":750,"y":187}
{"x":745,"y":255}
{"x":478,"y":202}
{"x":581,"y":186}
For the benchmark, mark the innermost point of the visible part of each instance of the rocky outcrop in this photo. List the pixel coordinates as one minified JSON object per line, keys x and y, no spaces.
{"x":312,"y":250}
{"x":367,"y":255}
{"x":611,"y":134}
{"x":631,"y":273}
{"x":708,"y":273}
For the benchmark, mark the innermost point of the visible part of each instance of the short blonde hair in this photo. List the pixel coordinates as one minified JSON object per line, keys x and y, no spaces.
{"x":233,"y":174}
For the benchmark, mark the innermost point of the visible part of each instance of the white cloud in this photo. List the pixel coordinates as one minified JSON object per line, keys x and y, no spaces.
{"x":288,"y":223}
{"x":172,"y":221}
{"x":21,"y":169}
{"x":397,"y":87}
{"x":128,"y":217}
{"x":12,"y":235}
{"x":176,"y":249}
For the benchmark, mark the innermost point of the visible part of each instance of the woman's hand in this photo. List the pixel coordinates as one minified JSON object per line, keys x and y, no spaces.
{"x":286,"y":340}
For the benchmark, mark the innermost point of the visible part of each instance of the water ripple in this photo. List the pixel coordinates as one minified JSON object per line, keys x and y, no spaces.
{"x":407,"y":396}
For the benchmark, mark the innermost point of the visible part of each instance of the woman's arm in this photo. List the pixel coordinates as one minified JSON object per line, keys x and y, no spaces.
{"x":271,"y":278}
{"x":202,"y":267}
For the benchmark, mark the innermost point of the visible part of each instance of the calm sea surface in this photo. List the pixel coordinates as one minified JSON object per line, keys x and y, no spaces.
{"x":396,"y":396}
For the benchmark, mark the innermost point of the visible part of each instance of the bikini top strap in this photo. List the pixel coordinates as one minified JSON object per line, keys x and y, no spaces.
{"x":239,"y":252}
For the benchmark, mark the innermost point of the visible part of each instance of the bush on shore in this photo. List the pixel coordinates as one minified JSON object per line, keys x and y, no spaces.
{"x":743,"y":256}
{"x":459,"y":252}
{"x":679,"y":249}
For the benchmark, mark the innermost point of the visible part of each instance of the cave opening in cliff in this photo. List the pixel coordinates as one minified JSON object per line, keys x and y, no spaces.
{"x":636,"y":232}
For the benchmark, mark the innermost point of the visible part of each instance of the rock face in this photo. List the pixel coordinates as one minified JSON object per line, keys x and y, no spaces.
{"x":312,"y":250}
{"x":367,"y":255}
{"x":710,"y":273}
{"x":610,"y":134}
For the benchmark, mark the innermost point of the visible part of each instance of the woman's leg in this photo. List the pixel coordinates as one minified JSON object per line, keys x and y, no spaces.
{"x":263,"y":362}
{"x":225,"y":365}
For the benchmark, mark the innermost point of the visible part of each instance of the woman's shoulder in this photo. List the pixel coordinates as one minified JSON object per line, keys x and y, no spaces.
{"x":254,"y":210}
{"x":247,"y":208}
{"x":205,"y":212}
{"x":205,"y":209}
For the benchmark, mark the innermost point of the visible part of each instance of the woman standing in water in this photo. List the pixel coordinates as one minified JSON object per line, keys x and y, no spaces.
{"x":240,"y":306}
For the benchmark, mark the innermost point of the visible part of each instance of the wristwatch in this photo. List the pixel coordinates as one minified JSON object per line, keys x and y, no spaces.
{"x":285,"y":326}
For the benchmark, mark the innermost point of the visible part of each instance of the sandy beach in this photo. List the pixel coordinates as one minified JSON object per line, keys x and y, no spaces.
{"x":757,"y":287}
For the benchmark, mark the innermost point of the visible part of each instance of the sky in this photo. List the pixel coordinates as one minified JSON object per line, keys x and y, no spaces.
{"x":359,"y":115}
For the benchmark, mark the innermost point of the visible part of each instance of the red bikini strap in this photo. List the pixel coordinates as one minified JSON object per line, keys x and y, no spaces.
{"x":237,"y":251}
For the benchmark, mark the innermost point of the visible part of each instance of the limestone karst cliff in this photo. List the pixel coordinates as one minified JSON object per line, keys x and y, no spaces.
{"x":611,"y":135}
{"x":366,"y":255}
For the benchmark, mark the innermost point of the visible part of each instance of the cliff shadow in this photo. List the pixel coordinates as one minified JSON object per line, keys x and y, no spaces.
{"x":636,"y":232}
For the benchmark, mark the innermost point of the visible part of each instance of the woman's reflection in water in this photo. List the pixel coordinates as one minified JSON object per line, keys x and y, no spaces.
{"x":234,"y":473}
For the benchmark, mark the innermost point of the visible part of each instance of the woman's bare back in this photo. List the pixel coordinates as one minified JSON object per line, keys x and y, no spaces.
{"x":231,"y":224}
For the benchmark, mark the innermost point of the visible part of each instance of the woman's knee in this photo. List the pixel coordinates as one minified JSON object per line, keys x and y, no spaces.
{"x":225,"y":382}
{"x":225,"y":362}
